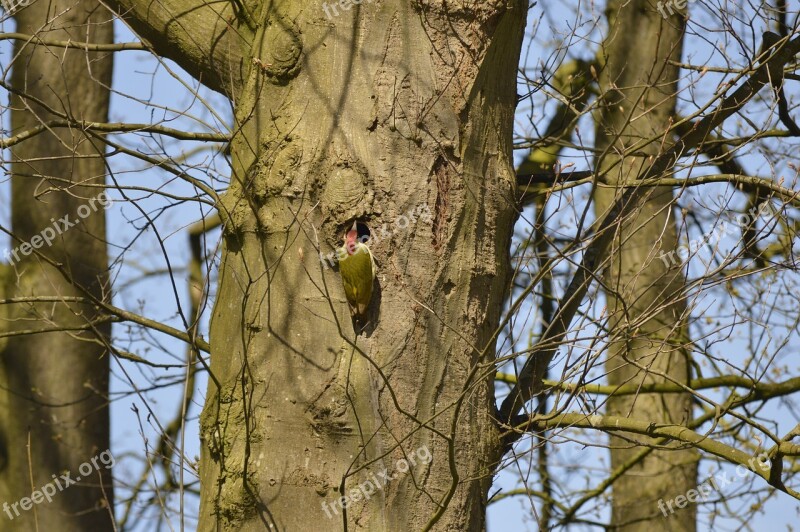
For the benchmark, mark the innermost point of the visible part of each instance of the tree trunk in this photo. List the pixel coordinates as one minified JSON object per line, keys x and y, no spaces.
{"x":647,"y":314}
{"x":399,"y":116}
{"x":55,"y":385}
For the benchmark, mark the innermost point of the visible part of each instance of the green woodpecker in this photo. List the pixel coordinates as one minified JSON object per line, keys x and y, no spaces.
{"x":358,"y":272}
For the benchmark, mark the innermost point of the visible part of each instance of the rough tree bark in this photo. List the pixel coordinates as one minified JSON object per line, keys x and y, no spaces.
{"x":647,"y":314}
{"x":55,"y":385}
{"x":384,"y":110}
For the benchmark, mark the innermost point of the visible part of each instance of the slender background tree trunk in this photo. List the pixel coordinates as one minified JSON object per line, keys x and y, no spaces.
{"x":54,"y":400}
{"x":647,"y":314}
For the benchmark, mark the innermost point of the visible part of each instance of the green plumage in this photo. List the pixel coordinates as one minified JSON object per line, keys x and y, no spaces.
{"x":358,"y":275}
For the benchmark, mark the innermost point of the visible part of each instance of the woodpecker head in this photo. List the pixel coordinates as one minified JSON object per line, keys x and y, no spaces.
{"x":351,"y":239}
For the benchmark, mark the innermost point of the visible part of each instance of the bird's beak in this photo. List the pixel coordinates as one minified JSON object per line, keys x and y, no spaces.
{"x":355,"y":227}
